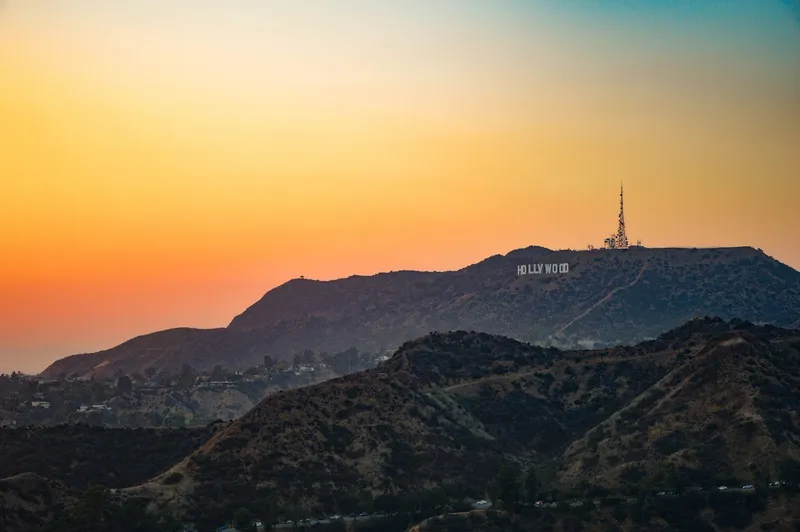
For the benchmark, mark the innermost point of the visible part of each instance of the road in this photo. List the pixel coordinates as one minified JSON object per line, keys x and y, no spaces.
{"x":543,"y":505}
{"x":346,"y":519}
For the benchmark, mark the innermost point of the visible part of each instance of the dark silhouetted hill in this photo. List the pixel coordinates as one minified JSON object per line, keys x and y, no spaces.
{"x":711,"y":401}
{"x":80,"y":456}
{"x":28,"y":501}
{"x":607,"y":298}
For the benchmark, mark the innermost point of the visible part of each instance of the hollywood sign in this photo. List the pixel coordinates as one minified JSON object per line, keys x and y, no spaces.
{"x":538,"y":269}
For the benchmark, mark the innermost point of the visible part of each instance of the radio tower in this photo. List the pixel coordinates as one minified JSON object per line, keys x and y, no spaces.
{"x":621,"y":239}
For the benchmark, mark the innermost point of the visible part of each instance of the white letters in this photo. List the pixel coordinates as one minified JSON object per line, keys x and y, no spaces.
{"x":538,"y":269}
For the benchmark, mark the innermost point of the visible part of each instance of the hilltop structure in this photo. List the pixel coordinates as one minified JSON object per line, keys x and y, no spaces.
{"x":619,"y":240}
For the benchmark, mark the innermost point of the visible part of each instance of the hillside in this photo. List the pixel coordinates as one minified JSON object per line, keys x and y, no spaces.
{"x":729,"y":413}
{"x":447,"y":409}
{"x":80,"y":456}
{"x":28,"y":501}
{"x":606,"y":298}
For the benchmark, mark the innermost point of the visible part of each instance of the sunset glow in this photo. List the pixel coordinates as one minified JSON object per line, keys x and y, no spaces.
{"x":165,"y":163}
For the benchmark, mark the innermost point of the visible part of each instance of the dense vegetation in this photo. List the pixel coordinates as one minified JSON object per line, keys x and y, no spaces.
{"x":449,"y":409}
{"x":82,"y":455}
{"x":96,"y":511}
{"x":457,"y":417}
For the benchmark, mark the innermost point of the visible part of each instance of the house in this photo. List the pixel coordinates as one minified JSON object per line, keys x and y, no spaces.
{"x":221,"y":384}
{"x":40,"y":404}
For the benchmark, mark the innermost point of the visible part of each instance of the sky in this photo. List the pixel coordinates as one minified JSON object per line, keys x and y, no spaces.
{"x":164,"y":164}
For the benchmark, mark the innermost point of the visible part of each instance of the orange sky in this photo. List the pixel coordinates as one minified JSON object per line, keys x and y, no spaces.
{"x":165,"y":166}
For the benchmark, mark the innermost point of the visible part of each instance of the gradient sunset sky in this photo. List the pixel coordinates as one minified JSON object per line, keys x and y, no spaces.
{"x":164,"y":163}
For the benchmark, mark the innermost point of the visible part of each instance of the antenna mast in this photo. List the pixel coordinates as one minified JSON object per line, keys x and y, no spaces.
{"x":621,"y":237}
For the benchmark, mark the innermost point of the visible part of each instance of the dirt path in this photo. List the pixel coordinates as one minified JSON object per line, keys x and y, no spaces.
{"x":606,"y":298}
{"x":513,"y":376}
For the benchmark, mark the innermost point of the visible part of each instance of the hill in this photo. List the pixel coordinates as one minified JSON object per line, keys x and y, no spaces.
{"x":79,"y":456}
{"x":605,"y":298}
{"x":728,"y":413}
{"x":28,"y":501}
{"x":448,"y":409}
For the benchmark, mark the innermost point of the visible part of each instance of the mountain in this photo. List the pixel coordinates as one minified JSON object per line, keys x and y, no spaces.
{"x":716,"y":398}
{"x":607,"y":297}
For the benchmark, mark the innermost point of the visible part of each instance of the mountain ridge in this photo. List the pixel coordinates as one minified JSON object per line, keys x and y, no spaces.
{"x":420,"y":420}
{"x":605,"y":295}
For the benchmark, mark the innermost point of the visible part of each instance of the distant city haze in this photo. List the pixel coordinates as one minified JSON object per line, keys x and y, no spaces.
{"x":166,"y":163}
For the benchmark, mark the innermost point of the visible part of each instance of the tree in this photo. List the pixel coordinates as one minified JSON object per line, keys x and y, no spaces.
{"x":94,"y":511}
{"x":93,"y":508}
{"x":347,"y":502}
{"x":308,"y":357}
{"x":269,"y":363}
{"x":341,"y":363}
{"x":218,"y":373}
{"x":506,"y":489}
{"x":243,"y":520}
{"x":124,"y":384}
{"x":365,"y":501}
{"x":531,"y":486}
{"x":98,"y":392}
{"x":187,"y":376}
{"x":432,"y":500}
{"x":789,"y":470}
{"x":386,"y":503}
